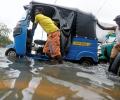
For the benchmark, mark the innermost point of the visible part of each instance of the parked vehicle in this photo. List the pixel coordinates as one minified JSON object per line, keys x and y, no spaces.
{"x":105,"y":51}
{"x":106,"y":47}
{"x":78,"y":34}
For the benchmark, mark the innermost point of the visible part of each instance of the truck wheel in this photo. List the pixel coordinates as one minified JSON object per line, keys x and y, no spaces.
{"x":11,"y":53}
{"x":86,"y":62}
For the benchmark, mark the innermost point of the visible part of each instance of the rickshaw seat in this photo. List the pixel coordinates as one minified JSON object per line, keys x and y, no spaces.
{"x":39,"y":42}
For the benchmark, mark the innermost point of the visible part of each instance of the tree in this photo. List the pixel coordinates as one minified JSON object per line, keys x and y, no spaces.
{"x":4,"y":30}
{"x":4,"y":35}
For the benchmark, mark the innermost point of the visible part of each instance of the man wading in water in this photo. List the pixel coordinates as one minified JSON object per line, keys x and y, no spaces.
{"x":52,"y":46}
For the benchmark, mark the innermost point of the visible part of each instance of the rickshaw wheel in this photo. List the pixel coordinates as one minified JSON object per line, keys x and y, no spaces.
{"x":11,"y":53}
{"x":86,"y":62}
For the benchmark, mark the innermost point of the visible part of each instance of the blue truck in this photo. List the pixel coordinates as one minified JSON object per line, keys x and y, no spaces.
{"x":78,"y":34}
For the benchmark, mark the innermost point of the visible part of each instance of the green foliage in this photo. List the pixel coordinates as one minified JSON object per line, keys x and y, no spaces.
{"x":4,"y":41}
{"x":4,"y":30}
{"x":4,"y":33}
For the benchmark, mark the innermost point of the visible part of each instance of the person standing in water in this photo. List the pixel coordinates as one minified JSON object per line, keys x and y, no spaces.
{"x":52,"y":46}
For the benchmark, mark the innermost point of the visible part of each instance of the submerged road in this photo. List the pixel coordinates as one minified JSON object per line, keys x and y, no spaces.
{"x":26,"y":79}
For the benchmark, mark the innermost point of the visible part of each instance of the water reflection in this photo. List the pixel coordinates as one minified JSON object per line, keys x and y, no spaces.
{"x":26,"y":79}
{"x":16,"y":80}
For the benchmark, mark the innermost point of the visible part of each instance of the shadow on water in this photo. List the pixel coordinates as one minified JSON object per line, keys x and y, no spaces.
{"x":26,"y":79}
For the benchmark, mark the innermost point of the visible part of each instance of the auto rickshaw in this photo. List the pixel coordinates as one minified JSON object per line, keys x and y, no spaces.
{"x":78,"y":34}
{"x":106,"y":47}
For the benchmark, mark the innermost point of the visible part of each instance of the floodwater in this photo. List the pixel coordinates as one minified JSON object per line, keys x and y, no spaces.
{"x":26,"y":79}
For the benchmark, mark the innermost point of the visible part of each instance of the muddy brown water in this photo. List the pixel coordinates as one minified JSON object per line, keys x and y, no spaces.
{"x":28,"y":79}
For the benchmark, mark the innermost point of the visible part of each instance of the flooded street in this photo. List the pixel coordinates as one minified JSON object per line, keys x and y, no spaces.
{"x":26,"y":79}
